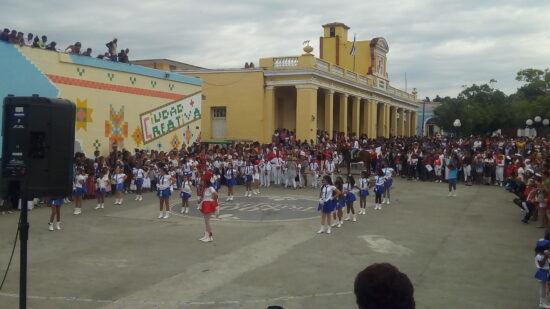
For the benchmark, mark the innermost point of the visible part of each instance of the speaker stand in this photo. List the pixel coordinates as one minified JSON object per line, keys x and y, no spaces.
{"x":23,"y":238}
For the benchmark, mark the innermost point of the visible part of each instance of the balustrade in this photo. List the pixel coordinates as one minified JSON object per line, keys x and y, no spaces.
{"x":283,"y":62}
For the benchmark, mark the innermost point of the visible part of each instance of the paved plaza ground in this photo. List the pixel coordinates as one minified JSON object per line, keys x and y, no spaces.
{"x":470,"y":251}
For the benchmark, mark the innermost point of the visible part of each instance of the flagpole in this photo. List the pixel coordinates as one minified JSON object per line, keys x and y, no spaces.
{"x":354,"y":52}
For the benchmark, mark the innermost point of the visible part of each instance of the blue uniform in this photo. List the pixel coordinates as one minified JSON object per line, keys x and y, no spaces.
{"x":364,"y":187}
{"x":327,"y":203}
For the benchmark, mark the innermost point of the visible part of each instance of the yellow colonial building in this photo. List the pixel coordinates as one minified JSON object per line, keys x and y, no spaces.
{"x":341,"y":91}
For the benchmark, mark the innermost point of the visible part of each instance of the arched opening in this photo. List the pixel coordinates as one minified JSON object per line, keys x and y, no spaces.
{"x":430,"y":128}
{"x":285,"y":108}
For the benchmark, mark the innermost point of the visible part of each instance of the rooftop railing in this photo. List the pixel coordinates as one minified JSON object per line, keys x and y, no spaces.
{"x":309,"y":61}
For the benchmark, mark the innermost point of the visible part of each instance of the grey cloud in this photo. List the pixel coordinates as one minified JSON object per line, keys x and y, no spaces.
{"x":442,"y":45}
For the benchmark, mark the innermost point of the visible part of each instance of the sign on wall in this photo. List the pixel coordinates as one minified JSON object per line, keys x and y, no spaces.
{"x":163,"y":120}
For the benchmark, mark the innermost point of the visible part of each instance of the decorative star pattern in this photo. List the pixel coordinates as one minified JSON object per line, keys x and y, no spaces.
{"x":188,"y":134}
{"x":116,"y":129}
{"x":83,"y":114}
{"x":137,"y":136}
{"x":96,"y":144}
{"x":175,"y":142}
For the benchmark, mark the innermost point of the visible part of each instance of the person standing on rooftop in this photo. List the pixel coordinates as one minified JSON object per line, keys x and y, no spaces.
{"x":111,"y":46}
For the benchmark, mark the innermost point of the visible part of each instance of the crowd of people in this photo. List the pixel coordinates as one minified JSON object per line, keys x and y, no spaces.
{"x":520,"y":165}
{"x":16,"y":37}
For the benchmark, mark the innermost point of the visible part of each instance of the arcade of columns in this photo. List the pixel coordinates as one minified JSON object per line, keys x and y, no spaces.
{"x":368,"y":115}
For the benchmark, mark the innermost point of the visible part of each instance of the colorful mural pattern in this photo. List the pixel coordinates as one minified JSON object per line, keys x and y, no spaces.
{"x":116,"y":129}
{"x":97,"y":144}
{"x":175,"y":142}
{"x":137,"y":136}
{"x":119,"y":94}
{"x":83,"y":114}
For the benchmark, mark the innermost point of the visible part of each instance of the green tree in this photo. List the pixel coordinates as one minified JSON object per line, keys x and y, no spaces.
{"x":480,"y":108}
{"x":483,"y":109}
{"x":533,"y":97}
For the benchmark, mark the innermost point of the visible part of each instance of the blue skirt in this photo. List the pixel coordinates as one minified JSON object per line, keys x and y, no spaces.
{"x":379,"y":190}
{"x":350,"y":197}
{"x":248,"y":178}
{"x":388,"y":183}
{"x":363,"y":193}
{"x":542,"y":274}
{"x":120,"y":187}
{"x":327,"y":207}
{"x":138,"y":182}
{"x":231,"y":182}
{"x":57,"y":202}
{"x":164,"y":193}
{"x":185,"y":195}
{"x":79,"y":191}
{"x":102,"y":191}
{"x":217,"y":185}
{"x":340,"y":203}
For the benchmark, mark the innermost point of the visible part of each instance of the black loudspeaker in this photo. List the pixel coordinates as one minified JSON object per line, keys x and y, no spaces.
{"x":38,"y":145}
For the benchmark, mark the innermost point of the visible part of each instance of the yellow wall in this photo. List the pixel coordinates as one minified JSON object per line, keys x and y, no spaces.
{"x":345,"y":42}
{"x":345,"y":60}
{"x":338,"y":31}
{"x":242,"y":93}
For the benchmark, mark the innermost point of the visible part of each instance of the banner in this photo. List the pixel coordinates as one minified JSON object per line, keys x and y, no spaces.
{"x":170,"y":117}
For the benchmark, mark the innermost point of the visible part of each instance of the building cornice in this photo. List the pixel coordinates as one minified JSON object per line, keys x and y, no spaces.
{"x":318,"y":73}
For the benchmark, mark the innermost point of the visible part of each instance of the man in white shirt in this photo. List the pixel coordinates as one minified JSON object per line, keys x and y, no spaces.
{"x":276,"y":164}
{"x":30,"y":39}
{"x":267,"y":173}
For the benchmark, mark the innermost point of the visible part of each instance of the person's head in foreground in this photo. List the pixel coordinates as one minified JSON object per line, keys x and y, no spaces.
{"x":383,"y":286}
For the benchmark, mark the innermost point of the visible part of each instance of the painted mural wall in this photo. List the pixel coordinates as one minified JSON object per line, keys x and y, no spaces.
{"x":112,"y":99}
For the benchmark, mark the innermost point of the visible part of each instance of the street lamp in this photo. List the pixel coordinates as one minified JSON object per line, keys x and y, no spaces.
{"x":528,"y":123}
{"x":538,"y":125}
{"x":546,"y":122}
{"x":457,"y":125}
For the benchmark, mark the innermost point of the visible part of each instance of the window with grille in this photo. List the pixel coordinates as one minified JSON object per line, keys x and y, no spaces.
{"x":218,"y":112}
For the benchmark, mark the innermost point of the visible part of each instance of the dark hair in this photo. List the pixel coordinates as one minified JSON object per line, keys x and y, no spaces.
{"x":339,"y":183}
{"x":351,"y":179}
{"x":328,"y":179}
{"x":541,"y":249}
{"x":381,"y":286}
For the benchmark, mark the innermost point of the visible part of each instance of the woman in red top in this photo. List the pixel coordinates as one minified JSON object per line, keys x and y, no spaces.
{"x":208,"y":202}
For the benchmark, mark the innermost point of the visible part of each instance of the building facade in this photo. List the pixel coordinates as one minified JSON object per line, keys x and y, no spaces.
{"x":130,"y":106}
{"x":341,"y":91}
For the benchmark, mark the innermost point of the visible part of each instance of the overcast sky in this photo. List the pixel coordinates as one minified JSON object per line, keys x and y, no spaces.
{"x":442,"y":45}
